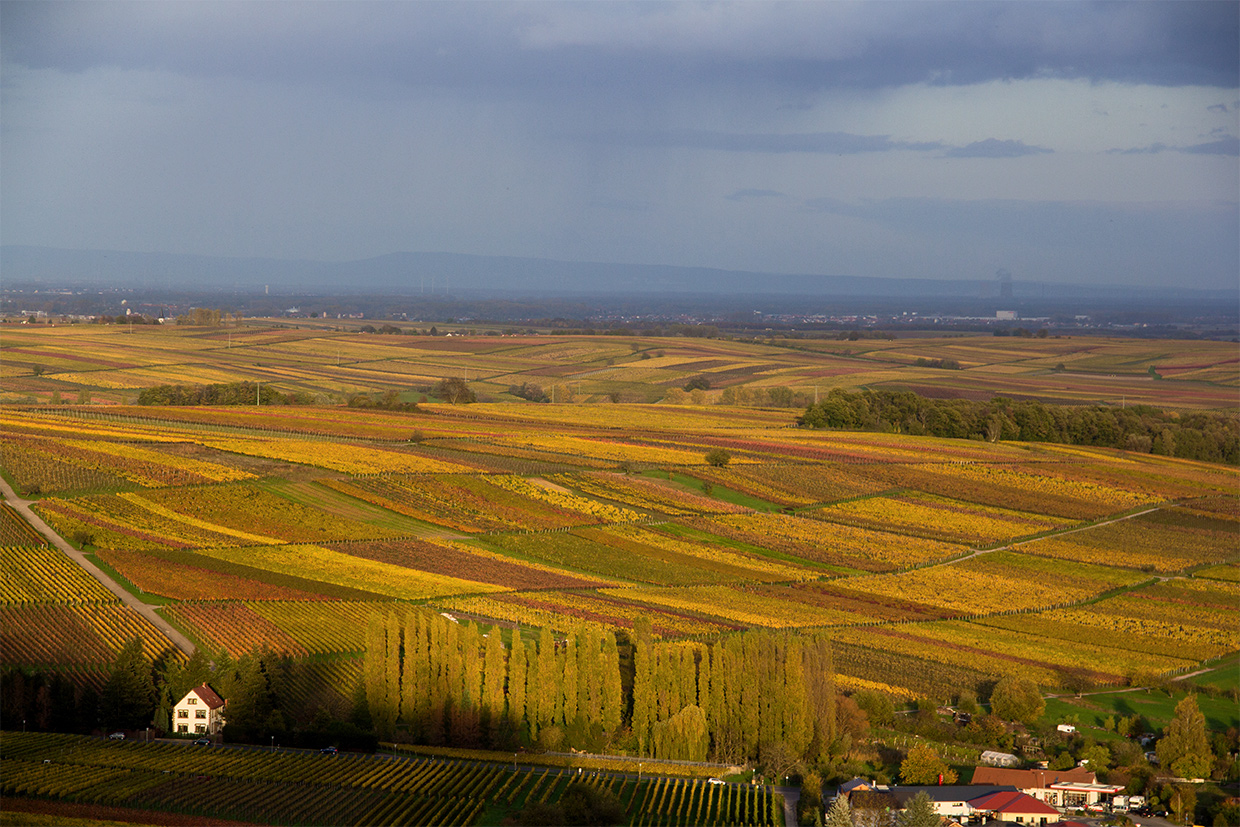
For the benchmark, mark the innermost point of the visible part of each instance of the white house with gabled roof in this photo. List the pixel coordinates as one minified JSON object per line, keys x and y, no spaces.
{"x":200,"y":712}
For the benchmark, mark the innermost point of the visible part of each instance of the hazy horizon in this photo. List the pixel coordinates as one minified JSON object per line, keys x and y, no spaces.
{"x":1077,"y":143}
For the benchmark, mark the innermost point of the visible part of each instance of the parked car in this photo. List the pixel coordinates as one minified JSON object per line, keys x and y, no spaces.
{"x":117,"y":736}
{"x":328,"y":751}
{"x":202,"y":742}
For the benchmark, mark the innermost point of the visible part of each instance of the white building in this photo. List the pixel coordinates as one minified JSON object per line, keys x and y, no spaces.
{"x":200,"y":712}
{"x":999,"y":759}
{"x":1066,"y":789}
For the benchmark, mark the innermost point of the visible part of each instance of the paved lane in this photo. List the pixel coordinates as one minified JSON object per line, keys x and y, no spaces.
{"x":23,"y":507}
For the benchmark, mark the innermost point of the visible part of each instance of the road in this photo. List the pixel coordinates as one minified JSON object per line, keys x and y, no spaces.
{"x":23,"y":507}
{"x":792,"y":797}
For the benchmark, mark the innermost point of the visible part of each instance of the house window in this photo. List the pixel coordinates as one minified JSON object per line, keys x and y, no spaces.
{"x":182,"y":713}
{"x":182,"y":727}
{"x":200,"y":728}
{"x":191,"y":701}
{"x":200,"y":713}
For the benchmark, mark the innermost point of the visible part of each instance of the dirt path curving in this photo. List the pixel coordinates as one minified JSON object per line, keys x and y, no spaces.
{"x":147,"y":611}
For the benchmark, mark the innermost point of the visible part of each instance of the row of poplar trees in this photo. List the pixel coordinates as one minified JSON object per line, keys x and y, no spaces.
{"x":447,"y":682}
{"x":758,"y":694}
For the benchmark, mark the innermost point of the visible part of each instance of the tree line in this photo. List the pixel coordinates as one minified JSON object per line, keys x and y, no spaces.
{"x":231,"y":393}
{"x":1203,"y":435}
{"x":758,"y":694}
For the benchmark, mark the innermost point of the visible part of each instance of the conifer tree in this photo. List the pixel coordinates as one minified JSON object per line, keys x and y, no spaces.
{"x":839,"y":815}
{"x":919,"y":812}
{"x":179,"y":678}
{"x":253,"y":694}
{"x":128,"y":698}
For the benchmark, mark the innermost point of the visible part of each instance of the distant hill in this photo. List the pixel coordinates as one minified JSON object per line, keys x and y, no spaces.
{"x":412,"y":274}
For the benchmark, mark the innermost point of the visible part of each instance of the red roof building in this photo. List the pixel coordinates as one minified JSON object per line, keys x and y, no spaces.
{"x":1075,"y":788}
{"x":1016,"y":807}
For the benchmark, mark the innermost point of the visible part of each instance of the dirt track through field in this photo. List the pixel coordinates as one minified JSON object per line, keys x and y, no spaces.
{"x":23,"y":507}
{"x":1059,"y":533}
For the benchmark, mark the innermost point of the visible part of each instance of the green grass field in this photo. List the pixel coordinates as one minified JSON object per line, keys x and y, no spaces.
{"x":1155,"y":706}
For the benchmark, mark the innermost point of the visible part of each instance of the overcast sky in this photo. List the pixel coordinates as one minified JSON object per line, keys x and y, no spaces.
{"x":1064,"y":142}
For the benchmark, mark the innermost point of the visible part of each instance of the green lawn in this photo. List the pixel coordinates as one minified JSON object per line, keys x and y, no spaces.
{"x":719,"y":492}
{"x":1225,"y":674}
{"x":1155,"y":706}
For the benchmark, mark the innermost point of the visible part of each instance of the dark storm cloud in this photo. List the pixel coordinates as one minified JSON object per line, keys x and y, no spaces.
{"x":653,"y":46}
{"x":834,"y":143}
{"x":995,"y":148}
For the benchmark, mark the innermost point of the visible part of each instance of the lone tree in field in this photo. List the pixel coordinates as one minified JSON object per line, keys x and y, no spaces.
{"x":718,"y":457}
{"x":455,"y":391}
{"x":1017,"y":699}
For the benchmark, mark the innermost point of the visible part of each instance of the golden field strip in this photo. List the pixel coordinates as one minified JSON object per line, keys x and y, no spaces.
{"x":925,"y":558}
{"x":111,"y":363}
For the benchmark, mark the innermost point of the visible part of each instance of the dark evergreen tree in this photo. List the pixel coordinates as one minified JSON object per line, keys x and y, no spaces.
{"x":128,"y":698}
